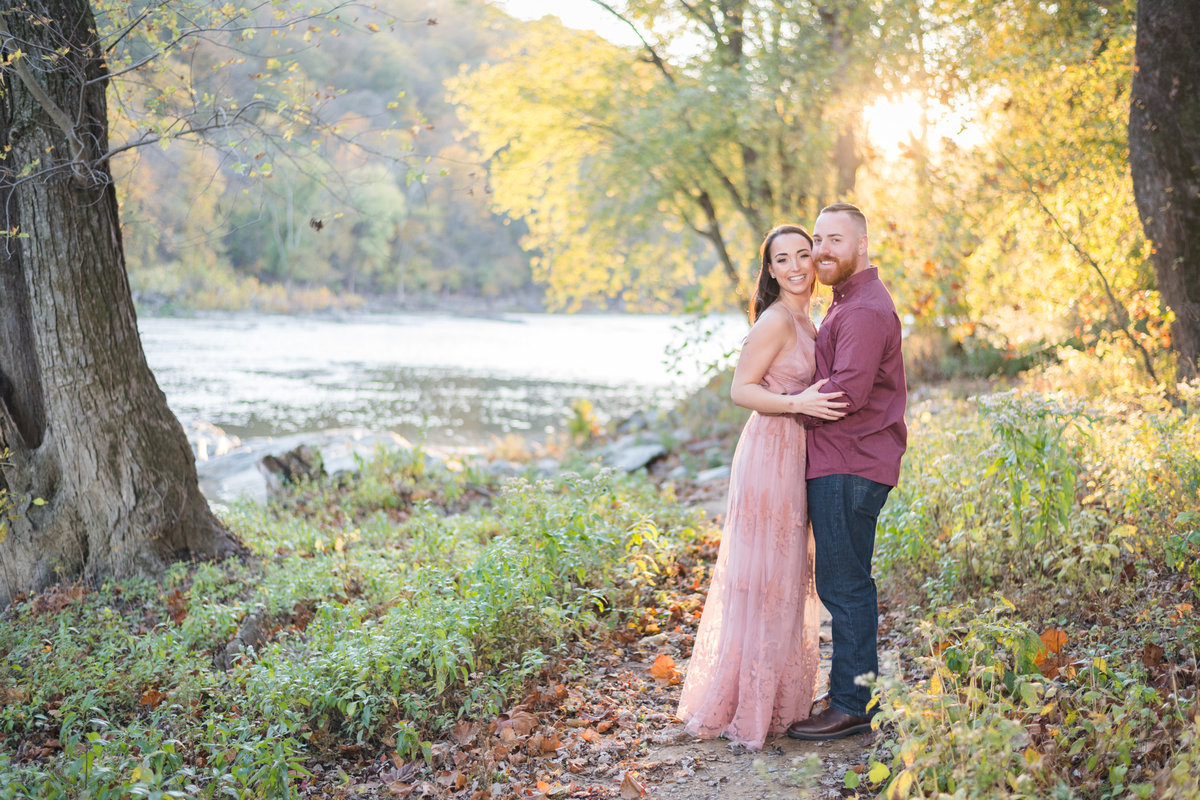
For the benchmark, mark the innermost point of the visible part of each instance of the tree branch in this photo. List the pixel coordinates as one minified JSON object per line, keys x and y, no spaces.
{"x":198,"y":31}
{"x":707,"y":20}
{"x":1119,"y":311}
{"x":16,"y":62}
{"x":652,"y":54}
{"x":716,"y":237}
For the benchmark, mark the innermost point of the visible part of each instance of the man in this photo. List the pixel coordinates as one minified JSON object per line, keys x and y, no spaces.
{"x":853,"y":462}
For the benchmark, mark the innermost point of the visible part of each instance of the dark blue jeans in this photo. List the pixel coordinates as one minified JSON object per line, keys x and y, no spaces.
{"x":844,"y":510}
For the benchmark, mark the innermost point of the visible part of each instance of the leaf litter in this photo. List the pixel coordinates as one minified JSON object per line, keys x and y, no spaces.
{"x":601,"y":724}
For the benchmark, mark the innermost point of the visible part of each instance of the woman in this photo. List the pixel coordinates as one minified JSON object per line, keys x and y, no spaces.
{"x":753,"y":669}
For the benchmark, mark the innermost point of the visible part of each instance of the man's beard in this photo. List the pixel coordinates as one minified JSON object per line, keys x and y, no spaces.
{"x":835,"y":274}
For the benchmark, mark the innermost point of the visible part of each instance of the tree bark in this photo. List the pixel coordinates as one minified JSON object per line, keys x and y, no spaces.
{"x":100,"y":473}
{"x":1164,"y":156}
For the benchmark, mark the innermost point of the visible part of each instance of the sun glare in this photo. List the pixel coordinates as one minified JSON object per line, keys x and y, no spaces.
{"x":892,"y":123}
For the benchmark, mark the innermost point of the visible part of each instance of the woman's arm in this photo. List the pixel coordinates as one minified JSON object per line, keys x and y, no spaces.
{"x":767,"y":339}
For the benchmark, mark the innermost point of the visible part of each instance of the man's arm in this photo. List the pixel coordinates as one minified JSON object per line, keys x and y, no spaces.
{"x":862,"y":340}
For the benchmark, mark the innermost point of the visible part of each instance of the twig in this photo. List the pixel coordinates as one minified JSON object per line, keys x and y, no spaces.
{"x":1122,"y":313}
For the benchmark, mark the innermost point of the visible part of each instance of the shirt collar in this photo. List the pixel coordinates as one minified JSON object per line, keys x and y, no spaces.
{"x":847,"y":287}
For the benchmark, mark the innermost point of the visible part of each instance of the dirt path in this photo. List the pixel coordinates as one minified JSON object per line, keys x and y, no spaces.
{"x":683,"y":768}
{"x":674,"y":766}
{"x":670,"y":765}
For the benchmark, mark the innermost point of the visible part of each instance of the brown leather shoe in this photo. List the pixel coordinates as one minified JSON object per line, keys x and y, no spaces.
{"x":829,"y":724}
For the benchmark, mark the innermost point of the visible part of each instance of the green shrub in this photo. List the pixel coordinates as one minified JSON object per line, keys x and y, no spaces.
{"x":379,"y":625}
{"x":462,"y":633}
{"x":1085,"y":519}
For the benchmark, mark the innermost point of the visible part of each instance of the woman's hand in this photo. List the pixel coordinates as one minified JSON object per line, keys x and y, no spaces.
{"x":822,"y":405}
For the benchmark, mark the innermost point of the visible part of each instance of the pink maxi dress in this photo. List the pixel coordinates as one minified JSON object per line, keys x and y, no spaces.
{"x":754,"y":667}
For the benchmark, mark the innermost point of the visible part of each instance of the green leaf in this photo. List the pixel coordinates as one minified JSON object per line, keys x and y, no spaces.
{"x":852,"y":780}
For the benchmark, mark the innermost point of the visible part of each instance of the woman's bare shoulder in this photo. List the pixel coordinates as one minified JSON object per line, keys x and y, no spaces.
{"x":776,"y":321}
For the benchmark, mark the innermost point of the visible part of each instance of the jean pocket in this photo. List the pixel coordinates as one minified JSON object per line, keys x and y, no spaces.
{"x":869,"y":498}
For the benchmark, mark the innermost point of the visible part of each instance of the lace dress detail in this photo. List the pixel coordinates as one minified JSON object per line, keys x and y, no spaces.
{"x":754,"y":667}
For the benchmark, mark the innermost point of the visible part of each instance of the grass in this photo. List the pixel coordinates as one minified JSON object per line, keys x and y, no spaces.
{"x":393,"y":605}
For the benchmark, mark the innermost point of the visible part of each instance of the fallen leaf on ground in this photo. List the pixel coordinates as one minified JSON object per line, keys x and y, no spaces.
{"x":176,"y":606}
{"x":453,"y":780}
{"x":1152,"y":655}
{"x":521,"y":722}
{"x":664,"y":669}
{"x":463,"y":733}
{"x":1053,"y":639}
{"x":631,"y":788}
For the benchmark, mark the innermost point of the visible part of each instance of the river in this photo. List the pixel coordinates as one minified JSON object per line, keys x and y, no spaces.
{"x":445,"y":379}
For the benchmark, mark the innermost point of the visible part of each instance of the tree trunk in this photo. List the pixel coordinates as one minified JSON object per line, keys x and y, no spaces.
{"x":846,"y":158}
{"x":1164,"y":156}
{"x":88,"y":428}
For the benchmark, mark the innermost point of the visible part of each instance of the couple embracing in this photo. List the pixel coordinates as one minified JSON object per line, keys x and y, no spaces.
{"x":827,"y":453}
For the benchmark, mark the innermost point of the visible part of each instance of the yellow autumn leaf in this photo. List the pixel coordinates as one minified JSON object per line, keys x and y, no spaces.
{"x":878,"y":773}
{"x":901,"y":787}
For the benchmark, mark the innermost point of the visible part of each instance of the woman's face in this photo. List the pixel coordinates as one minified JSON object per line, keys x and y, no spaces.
{"x":792,"y":264}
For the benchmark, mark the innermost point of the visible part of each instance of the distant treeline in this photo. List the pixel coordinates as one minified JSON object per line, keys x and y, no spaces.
{"x":392,"y":208}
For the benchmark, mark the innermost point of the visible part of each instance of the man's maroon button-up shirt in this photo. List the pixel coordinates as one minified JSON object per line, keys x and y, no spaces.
{"x":858,"y":349}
